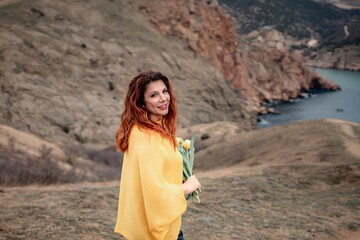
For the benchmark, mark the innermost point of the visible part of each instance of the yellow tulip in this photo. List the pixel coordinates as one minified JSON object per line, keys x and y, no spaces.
{"x":186,"y":144}
{"x":179,"y":141}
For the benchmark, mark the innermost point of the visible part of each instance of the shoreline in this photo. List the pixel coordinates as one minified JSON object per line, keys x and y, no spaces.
{"x":319,"y":104}
{"x":313,"y":66}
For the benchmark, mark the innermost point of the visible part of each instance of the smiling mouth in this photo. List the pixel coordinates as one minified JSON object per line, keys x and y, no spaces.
{"x":163,"y":107}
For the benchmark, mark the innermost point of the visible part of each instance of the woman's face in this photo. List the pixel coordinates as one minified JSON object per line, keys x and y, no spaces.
{"x":157,"y":100}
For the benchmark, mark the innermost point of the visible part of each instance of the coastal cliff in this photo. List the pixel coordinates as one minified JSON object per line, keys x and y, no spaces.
{"x":262,"y":68}
{"x":65,"y":67}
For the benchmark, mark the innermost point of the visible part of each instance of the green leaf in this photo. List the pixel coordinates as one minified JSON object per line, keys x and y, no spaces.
{"x":192,"y":151}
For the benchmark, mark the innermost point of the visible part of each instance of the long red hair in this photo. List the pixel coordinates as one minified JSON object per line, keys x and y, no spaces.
{"x":135,"y":112}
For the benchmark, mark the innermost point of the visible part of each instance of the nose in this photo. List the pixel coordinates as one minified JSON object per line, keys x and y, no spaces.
{"x":162,"y":98}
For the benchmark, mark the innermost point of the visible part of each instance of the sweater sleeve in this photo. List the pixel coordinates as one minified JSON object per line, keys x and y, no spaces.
{"x":164,"y":202}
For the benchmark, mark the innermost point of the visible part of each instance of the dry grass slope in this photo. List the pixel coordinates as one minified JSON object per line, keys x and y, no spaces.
{"x":299,"y":181}
{"x":28,"y":159}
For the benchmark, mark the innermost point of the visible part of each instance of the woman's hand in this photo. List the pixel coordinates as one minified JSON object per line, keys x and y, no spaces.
{"x":191,"y":184}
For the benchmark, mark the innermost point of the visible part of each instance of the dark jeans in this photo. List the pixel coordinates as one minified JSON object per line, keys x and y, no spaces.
{"x":181,"y":236}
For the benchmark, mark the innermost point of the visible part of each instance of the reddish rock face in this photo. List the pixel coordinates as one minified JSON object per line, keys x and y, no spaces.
{"x":260,"y":64}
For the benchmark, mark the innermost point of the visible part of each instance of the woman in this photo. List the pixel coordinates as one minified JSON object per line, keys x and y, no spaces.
{"x":152,"y":195}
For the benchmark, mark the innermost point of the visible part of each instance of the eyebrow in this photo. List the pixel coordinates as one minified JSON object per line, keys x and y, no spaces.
{"x":157,"y":91}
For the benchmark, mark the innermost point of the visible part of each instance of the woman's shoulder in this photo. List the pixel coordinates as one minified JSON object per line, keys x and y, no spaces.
{"x":138,"y":132}
{"x":143,"y":140}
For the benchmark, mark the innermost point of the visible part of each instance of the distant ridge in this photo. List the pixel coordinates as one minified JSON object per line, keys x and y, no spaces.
{"x":326,"y":35}
{"x":297,"y":18}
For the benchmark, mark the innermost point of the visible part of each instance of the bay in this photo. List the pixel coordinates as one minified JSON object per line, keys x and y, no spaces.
{"x":344,"y":104}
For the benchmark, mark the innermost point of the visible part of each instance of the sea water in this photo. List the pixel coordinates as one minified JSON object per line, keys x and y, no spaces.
{"x":344,"y":104}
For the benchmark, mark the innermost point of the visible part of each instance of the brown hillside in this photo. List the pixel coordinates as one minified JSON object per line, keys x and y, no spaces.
{"x":299,"y":181}
{"x":28,"y":159}
{"x":65,"y":65}
{"x":313,"y":147}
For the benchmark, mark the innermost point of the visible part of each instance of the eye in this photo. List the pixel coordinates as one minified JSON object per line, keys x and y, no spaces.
{"x":153,"y":95}
{"x":165,"y":90}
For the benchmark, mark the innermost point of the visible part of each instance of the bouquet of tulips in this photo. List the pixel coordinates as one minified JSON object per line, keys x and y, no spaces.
{"x":187,"y":150}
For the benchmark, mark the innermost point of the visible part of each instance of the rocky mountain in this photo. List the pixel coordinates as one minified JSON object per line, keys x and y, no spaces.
{"x":262,"y":68}
{"x":319,"y":29}
{"x":66,"y":65}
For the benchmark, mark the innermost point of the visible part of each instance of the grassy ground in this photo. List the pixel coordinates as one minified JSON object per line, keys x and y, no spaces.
{"x":305,"y":189}
{"x":269,"y":205}
{"x":273,"y":206}
{"x":62,"y":212}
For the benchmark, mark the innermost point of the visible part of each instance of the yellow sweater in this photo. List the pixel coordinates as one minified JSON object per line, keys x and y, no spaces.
{"x":151,"y":199}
